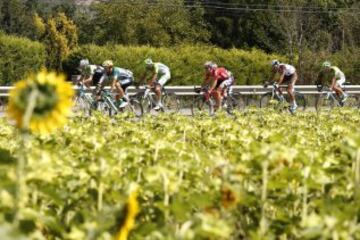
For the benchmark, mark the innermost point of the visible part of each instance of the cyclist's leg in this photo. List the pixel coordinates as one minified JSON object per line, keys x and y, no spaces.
{"x":160,"y":83}
{"x":290,"y":89}
{"x":217,"y":94}
{"x":125,"y":84}
{"x":338,"y":88}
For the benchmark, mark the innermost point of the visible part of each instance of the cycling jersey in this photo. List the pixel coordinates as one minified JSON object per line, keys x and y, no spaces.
{"x":163,"y":73}
{"x":161,"y":69}
{"x":91,"y":70}
{"x":338,"y":73}
{"x":120,"y":73}
{"x":220,"y":74}
{"x":287,"y":69}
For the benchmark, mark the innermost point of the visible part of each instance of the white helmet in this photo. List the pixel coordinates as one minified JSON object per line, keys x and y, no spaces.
{"x":326,"y":64}
{"x":210,"y":65}
{"x":275,"y":62}
{"x":84,"y":62}
{"x":148,"y":61}
{"x":108,"y":63}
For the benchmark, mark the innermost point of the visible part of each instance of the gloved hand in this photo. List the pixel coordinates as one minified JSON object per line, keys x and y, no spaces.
{"x":207,"y":95}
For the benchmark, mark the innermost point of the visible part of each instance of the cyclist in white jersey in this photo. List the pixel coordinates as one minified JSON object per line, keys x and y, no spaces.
{"x":336,"y":78}
{"x":156,"y":75}
{"x":288,"y":76}
{"x":90,"y":74}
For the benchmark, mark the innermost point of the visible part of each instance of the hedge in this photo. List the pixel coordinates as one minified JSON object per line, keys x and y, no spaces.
{"x":19,"y":57}
{"x":185,"y":62}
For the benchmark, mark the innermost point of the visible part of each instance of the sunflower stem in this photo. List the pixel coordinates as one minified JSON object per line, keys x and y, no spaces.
{"x":22,"y":159}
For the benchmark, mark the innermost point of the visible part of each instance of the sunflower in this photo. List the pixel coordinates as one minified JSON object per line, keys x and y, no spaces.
{"x":47,"y":96}
{"x":131,"y":210}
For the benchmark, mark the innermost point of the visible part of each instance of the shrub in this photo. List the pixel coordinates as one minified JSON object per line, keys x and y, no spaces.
{"x":19,"y":57}
{"x":185,"y":61}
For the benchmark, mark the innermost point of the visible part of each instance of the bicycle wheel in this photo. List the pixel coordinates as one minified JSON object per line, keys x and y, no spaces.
{"x":300,"y":101}
{"x":171,"y":102}
{"x":324,"y":103}
{"x":200,"y":107}
{"x":104,"y":108}
{"x":238,"y":101}
{"x":147,"y":104}
{"x":267,"y":100}
{"x":82,"y":106}
{"x":352,"y":101}
{"x":136,"y":107}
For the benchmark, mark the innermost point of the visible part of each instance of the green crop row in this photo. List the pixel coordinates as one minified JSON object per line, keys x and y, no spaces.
{"x":242,"y":177}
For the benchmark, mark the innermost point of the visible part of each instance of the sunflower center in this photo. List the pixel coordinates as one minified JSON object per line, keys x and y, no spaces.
{"x":45,"y":101}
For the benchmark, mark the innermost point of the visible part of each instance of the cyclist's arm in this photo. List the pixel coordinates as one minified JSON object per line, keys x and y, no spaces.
{"x":206,"y":80}
{"x":153,"y":79}
{"x":281,"y":79}
{"x":213,"y":85}
{"x":86,"y":78}
{"x":100,"y":85}
{"x":272,"y":77}
{"x":113,"y":82}
{"x":333,"y":83}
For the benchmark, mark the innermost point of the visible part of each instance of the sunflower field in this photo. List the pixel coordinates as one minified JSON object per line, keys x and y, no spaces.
{"x":257,"y":175}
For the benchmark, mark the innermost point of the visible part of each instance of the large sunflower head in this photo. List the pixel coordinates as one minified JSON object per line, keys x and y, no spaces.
{"x":41,"y":103}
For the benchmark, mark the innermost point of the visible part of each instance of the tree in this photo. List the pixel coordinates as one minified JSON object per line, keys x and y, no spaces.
{"x":59,"y":35}
{"x":145,"y":22}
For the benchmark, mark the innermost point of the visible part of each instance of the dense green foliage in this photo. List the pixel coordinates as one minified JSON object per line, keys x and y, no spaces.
{"x":305,"y":32}
{"x":200,"y":178}
{"x":185,"y":61}
{"x":19,"y":56}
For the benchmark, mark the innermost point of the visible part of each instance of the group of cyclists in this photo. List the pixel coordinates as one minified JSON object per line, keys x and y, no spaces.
{"x":217,"y":79}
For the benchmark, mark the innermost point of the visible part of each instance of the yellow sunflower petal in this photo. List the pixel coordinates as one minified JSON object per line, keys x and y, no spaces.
{"x":43,"y":122}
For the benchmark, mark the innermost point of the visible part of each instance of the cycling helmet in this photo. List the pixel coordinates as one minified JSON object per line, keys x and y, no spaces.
{"x":108,"y":63}
{"x":275,"y":62}
{"x":84,"y":62}
{"x":148,"y":61}
{"x":210,"y":65}
{"x":326,"y":64}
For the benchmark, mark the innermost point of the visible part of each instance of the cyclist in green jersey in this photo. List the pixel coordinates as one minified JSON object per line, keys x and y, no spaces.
{"x":336,"y":78}
{"x":156,"y":75}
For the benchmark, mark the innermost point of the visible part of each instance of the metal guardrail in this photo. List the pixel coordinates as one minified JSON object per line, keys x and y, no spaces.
{"x":243,"y":89}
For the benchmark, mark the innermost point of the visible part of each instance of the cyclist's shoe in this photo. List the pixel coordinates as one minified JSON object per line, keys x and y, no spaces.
{"x":281,"y":98}
{"x":293,"y":108}
{"x":343,"y":98}
{"x":123,"y":104}
{"x":158,"y":107}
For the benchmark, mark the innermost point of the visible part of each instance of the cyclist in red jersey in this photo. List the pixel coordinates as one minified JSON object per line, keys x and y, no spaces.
{"x":221,"y":79}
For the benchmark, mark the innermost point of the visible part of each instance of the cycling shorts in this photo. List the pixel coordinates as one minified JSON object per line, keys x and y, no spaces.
{"x":97,"y":77}
{"x":163,"y":79}
{"x":290,"y":79}
{"x":126,"y":82}
{"x":341,"y":81}
{"x":225,"y":83}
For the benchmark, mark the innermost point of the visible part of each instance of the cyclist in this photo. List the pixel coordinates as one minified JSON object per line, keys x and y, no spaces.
{"x":221,"y":80}
{"x":336,"y":77}
{"x":288,"y":76}
{"x":118,"y":78}
{"x":156,"y":75}
{"x":90,"y":74}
